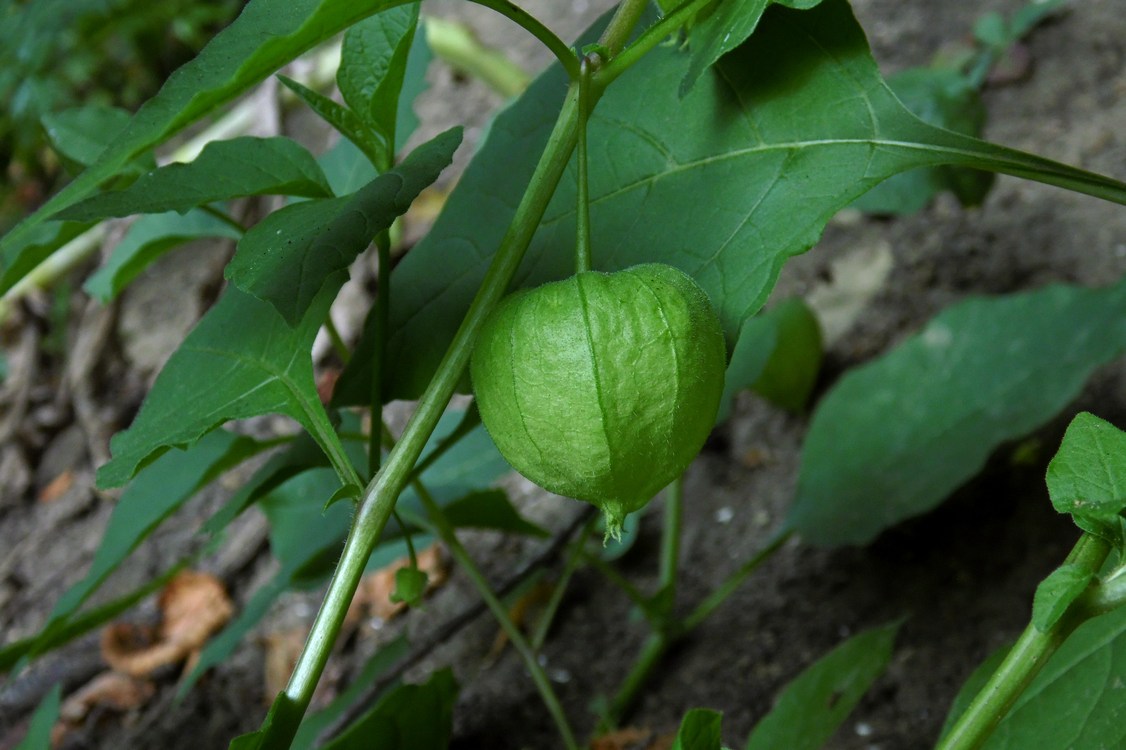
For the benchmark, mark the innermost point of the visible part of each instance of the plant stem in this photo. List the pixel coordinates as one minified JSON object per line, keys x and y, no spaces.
{"x":582,"y":208}
{"x":649,"y":39}
{"x":650,"y":655}
{"x":337,"y":340}
{"x":670,"y":539}
{"x":379,"y":496}
{"x":448,"y":536}
{"x":532,"y":25}
{"x":539,"y":637}
{"x":734,"y":581}
{"x":621,"y":25}
{"x":1023,"y":662}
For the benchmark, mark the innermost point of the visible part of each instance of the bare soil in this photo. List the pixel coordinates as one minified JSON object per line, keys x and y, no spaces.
{"x":963,"y":576}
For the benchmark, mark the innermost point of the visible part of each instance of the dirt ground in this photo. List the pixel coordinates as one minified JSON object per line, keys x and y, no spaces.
{"x":962,"y":575}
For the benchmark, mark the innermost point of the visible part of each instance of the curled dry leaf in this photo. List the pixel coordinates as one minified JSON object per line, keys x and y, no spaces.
{"x":193,"y":606}
{"x":110,"y":690}
{"x":632,"y":738}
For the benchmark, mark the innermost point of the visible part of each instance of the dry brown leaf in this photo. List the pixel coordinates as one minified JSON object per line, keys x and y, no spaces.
{"x":627,"y":738}
{"x":57,"y":487}
{"x":193,"y":606}
{"x":112,"y":690}
{"x":282,"y":649}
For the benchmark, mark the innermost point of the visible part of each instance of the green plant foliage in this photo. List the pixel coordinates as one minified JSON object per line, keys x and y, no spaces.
{"x":1087,"y":477}
{"x":1076,"y":700}
{"x":241,"y":360}
{"x":758,"y":338}
{"x":948,"y":99}
{"x":894,"y":437}
{"x":699,"y":730}
{"x":788,"y":377}
{"x":277,"y":728}
{"x":233,"y":61}
{"x":317,"y":722}
{"x":157,"y":492}
{"x":38,"y":735}
{"x":724,"y":29}
{"x":818,"y":701}
{"x":410,"y":586}
{"x":346,"y":167}
{"x":224,"y":170}
{"x":373,"y":66}
{"x":288,"y":257}
{"x":81,"y":134}
{"x":760,"y":182}
{"x":411,"y":717}
{"x":1056,"y":593}
{"x":344,"y":120}
{"x":36,"y":245}
{"x":490,"y":509}
{"x":147,"y":239}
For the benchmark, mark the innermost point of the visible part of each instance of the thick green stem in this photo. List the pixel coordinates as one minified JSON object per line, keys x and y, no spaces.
{"x":621,"y":25}
{"x":650,"y":38}
{"x":379,"y":496}
{"x":582,"y":208}
{"x":448,"y":536}
{"x":1023,"y":662}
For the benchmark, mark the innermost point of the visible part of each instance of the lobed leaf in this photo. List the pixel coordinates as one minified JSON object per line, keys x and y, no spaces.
{"x":816,"y":703}
{"x":782,"y":133}
{"x":234,"y":168}
{"x":894,"y":437}
{"x":241,"y":360}
{"x":288,"y":257}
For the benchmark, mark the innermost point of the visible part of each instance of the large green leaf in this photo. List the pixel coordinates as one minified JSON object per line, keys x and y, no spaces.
{"x":896,"y":436}
{"x":148,"y":238}
{"x":157,"y":493}
{"x":373,"y":65}
{"x":1076,"y":700}
{"x":723,"y":30}
{"x":224,"y":170}
{"x":268,"y":34}
{"x":287,"y":257}
{"x":726,"y":184}
{"x":411,"y":717}
{"x":819,"y":700}
{"x":17,"y":259}
{"x":240,"y":361}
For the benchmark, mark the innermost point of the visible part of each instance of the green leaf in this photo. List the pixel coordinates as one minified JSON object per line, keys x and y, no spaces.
{"x":1087,"y":477}
{"x":277,"y":729}
{"x":224,"y":170}
{"x":945,"y":98}
{"x":35,"y":246}
{"x":894,"y":437}
{"x":790,"y":373}
{"x":412,"y":717}
{"x":148,"y":238}
{"x":410,"y":586}
{"x":81,"y":134}
{"x":156,"y":493}
{"x":287,"y":258}
{"x":1076,"y":700}
{"x":1056,"y":593}
{"x":490,"y":509}
{"x":758,"y":338}
{"x":789,"y":128}
{"x":38,"y":735}
{"x":819,"y":700}
{"x":341,"y":118}
{"x":240,"y":361}
{"x":381,"y":661}
{"x":699,"y":730}
{"x":346,"y":167}
{"x":728,"y":26}
{"x":81,"y":623}
{"x":265,"y":36}
{"x":373,"y":65}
